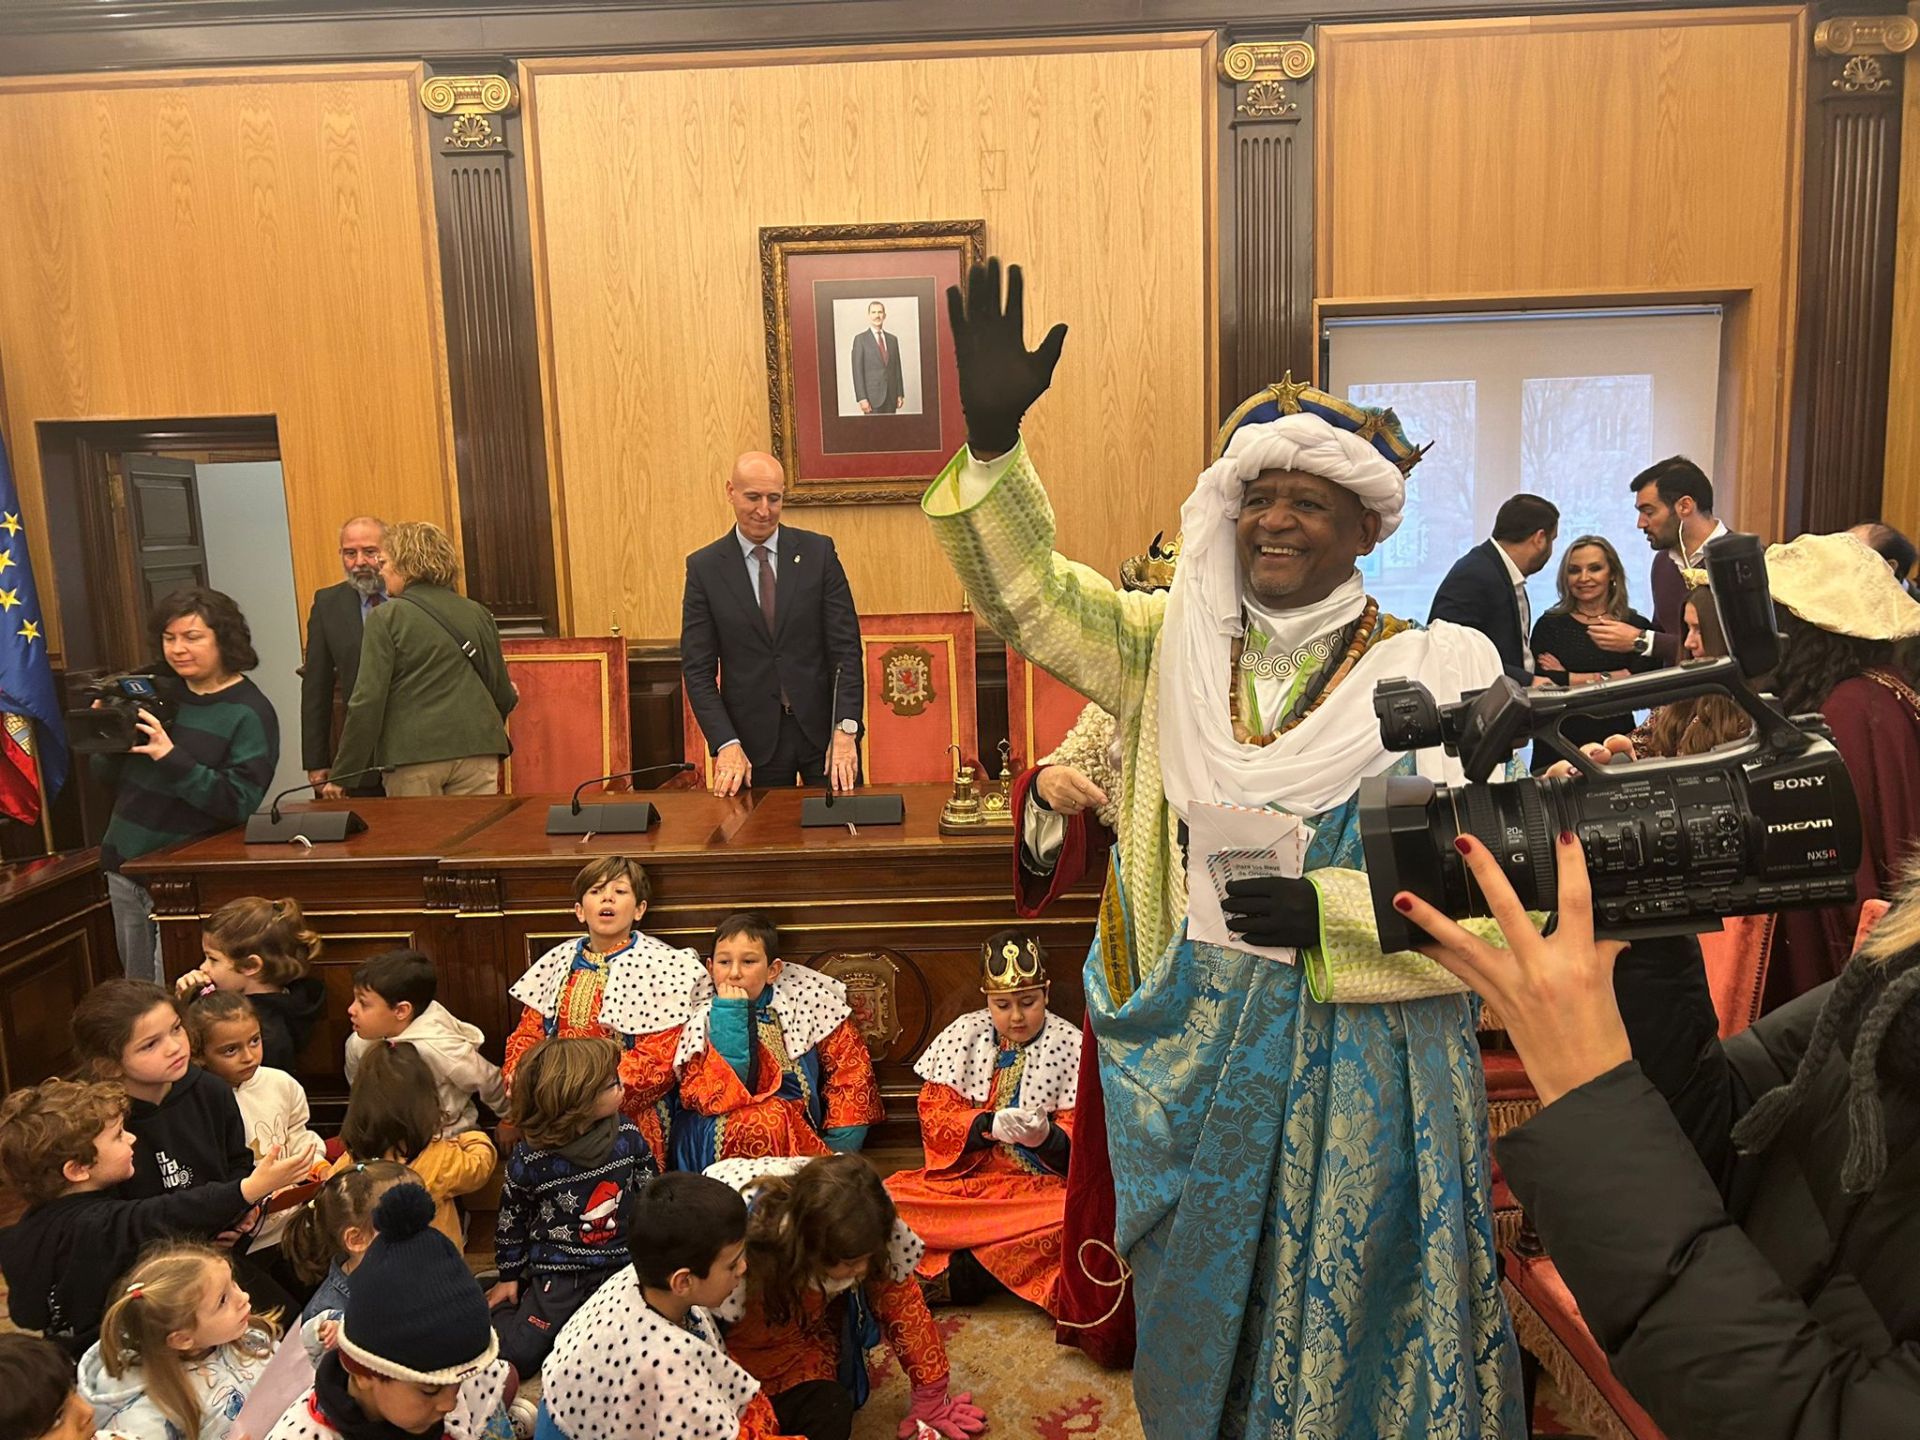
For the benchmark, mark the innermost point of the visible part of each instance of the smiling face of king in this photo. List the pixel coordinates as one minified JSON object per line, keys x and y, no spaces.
{"x":1299,"y":537}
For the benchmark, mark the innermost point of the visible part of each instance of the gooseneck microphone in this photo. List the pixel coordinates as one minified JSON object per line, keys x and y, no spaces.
{"x":678,"y":767}
{"x":833,"y":729}
{"x":273,"y":807}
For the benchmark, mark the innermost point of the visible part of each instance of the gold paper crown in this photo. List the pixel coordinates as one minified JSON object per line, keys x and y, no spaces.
{"x":1011,"y":963}
{"x":1153,"y":570}
{"x":1693,"y":579}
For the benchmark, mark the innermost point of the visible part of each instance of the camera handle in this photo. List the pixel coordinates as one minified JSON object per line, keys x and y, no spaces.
{"x":1502,"y":716}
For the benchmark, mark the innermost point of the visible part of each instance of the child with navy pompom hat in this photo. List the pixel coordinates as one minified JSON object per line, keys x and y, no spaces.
{"x":414,"y":1357}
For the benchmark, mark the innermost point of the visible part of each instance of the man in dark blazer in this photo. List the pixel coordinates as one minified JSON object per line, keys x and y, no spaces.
{"x":1486,"y":590}
{"x":333,"y":646}
{"x":879,"y":383}
{"x":767,"y":623}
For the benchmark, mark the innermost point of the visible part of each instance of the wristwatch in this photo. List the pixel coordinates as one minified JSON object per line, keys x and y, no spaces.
{"x":849,"y":727}
{"x":1644,"y":645}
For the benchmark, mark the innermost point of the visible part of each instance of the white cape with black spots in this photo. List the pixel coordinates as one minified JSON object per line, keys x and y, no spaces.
{"x":904,"y":1248}
{"x":480,"y":1398}
{"x":965,"y":1053}
{"x":620,"y":1370}
{"x":811,"y":1006}
{"x":651,"y":985}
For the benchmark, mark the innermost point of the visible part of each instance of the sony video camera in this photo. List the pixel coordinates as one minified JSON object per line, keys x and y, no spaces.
{"x":103,"y":720}
{"x":1767,"y":823}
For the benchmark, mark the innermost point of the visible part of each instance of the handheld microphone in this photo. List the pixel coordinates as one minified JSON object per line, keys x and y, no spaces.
{"x":273,"y":806}
{"x":678,"y":767}
{"x":610,"y":817}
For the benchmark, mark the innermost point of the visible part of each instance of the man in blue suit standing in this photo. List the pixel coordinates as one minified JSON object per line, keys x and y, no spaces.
{"x":767,"y":626}
{"x":879,"y":382}
{"x":1486,"y":590}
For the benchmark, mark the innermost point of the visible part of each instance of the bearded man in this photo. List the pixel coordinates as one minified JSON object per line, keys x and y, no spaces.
{"x":1299,"y":1146}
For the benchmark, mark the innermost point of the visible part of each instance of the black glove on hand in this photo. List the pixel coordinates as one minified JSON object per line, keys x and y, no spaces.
{"x":1273,"y":910}
{"x":999,"y":377}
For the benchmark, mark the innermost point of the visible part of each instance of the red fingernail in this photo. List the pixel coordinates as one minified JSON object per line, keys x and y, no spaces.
{"x":1463,"y":845}
{"x":1403,"y":903}
{"x":1566,"y":837}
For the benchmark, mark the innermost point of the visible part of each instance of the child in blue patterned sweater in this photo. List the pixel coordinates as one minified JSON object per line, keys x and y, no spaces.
{"x":563,"y":1209}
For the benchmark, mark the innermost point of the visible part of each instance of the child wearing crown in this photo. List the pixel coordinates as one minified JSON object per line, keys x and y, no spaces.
{"x":996,"y":1117}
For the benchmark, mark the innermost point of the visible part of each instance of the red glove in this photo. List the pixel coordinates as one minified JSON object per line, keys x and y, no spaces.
{"x":955,"y":1417}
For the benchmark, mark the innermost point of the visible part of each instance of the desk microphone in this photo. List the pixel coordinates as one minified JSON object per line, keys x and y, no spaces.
{"x":833,"y":729}
{"x":678,"y":767}
{"x":273,"y":806}
{"x":866,"y":809}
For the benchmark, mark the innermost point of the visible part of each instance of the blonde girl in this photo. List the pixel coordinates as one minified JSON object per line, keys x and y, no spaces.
{"x":179,"y":1350}
{"x":330,"y":1236}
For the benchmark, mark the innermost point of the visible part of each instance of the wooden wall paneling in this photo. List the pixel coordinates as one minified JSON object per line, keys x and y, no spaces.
{"x":56,"y":943}
{"x":48,"y":36}
{"x":1847,"y":271}
{"x":1657,"y":154}
{"x":1900,"y":496}
{"x":651,"y":178}
{"x":486,"y":270}
{"x":1266,"y":190}
{"x":230,"y":243}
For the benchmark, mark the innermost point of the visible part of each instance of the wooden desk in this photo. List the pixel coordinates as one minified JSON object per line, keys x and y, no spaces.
{"x":898,"y":912}
{"x":56,"y":943}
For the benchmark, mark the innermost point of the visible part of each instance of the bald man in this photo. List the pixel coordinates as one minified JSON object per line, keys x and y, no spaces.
{"x":766,"y":623}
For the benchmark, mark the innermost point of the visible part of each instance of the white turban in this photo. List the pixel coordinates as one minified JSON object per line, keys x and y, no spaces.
{"x":1306,"y":442}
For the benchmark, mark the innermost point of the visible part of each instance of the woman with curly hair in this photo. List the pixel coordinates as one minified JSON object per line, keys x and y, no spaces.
{"x":1840,"y":612}
{"x":432,"y":697}
{"x":197,"y":773}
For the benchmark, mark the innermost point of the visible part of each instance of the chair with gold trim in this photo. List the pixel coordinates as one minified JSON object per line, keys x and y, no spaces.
{"x":1546,"y":1318}
{"x":571,"y":723}
{"x":918,"y":676}
{"x":1040,"y":710}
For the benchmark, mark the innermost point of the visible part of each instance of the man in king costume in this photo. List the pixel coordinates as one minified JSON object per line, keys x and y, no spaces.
{"x":1299,"y":1149}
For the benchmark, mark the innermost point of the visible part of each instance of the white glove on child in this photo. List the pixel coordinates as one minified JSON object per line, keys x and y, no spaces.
{"x":1020,"y":1126}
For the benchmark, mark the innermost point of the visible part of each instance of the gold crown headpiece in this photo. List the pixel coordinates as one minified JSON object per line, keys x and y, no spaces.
{"x":1010,"y":963}
{"x":1153,"y":570}
{"x":1693,"y":579}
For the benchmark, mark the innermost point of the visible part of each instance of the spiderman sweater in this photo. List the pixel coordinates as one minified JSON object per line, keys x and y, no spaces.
{"x":565,"y":1209}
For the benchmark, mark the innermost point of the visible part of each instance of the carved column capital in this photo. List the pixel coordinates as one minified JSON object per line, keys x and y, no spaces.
{"x":1866,"y":35}
{"x":1259,"y":71}
{"x":471,"y":102}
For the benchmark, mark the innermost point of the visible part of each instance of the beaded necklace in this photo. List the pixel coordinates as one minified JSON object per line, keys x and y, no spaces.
{"x":1358,"y":638}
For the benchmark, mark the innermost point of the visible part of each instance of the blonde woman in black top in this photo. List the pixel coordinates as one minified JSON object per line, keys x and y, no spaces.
{"x":1593,"y":588}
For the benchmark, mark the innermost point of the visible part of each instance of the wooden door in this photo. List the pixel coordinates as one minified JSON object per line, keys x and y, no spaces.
{"x":163,"y":521}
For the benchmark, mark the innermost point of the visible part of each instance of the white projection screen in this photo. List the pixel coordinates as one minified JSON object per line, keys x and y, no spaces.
{"x":1565,"y":404}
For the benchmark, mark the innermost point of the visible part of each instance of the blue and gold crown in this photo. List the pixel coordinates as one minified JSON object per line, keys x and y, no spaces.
{"x":1379,"y":428}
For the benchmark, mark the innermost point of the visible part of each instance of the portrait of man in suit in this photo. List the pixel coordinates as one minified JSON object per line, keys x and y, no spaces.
{"x":332,"y":661}
{"x":879,"y":380}
{"x":767,"y":627}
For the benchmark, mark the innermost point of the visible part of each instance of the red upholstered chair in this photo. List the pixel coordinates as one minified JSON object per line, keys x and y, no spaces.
{"x":1545,"y":1317}
{"x":571,"y":722}
{"x":1040,"y":710}
{"x":693,"y":749}
{"x":918,"y":676}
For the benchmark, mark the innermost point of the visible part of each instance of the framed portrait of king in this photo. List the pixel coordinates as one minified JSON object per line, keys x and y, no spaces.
{"x":864,"y":394}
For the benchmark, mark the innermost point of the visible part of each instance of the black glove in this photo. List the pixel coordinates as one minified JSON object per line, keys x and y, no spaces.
{"x":1273,"y":910}
{"x":999,"y":377}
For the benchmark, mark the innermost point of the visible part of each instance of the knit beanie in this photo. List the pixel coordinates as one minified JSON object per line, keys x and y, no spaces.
{"x":415,"y":1311}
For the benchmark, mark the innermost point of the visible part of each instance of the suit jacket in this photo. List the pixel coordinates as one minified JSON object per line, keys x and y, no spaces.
{"x":418,"y":697}
{"x":333,"y":656}
{"x":1478,"y":593}
{"x":735,"y":670}
{"x":1669,"y":608}
{"x":881,"y":383}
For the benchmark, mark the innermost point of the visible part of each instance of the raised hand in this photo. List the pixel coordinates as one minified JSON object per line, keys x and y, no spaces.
{"x":999,"y":377}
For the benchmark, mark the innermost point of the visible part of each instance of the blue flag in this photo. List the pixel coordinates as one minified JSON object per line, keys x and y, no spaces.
{"x":26,"y":674}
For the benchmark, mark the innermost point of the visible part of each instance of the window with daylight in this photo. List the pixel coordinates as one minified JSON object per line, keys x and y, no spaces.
{"x":1569,"y":405}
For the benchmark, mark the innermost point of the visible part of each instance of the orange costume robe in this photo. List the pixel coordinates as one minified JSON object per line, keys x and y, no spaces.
{"x":998,"y":1201}
{"x":639,"y":997}
{"x":808,"y":1347}
{"x":811,"y":1077}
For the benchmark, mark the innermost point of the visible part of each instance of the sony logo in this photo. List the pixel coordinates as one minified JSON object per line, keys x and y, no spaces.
{"x":1791,"y":825}
{"x":1800,"y":782}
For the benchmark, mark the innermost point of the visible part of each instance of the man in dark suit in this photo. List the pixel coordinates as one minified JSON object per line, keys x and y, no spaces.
{"x":1486,"y":590}
{"x":766,"y":623}
{"x":333,"y":645}
{"x":879,"y":383}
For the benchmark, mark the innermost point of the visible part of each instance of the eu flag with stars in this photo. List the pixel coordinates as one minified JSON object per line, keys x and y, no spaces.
{"x":27,"y":750}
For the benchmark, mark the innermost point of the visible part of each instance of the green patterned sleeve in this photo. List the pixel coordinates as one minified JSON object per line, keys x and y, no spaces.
{"x":996,"y":526}
{"x":1348,"y":967}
